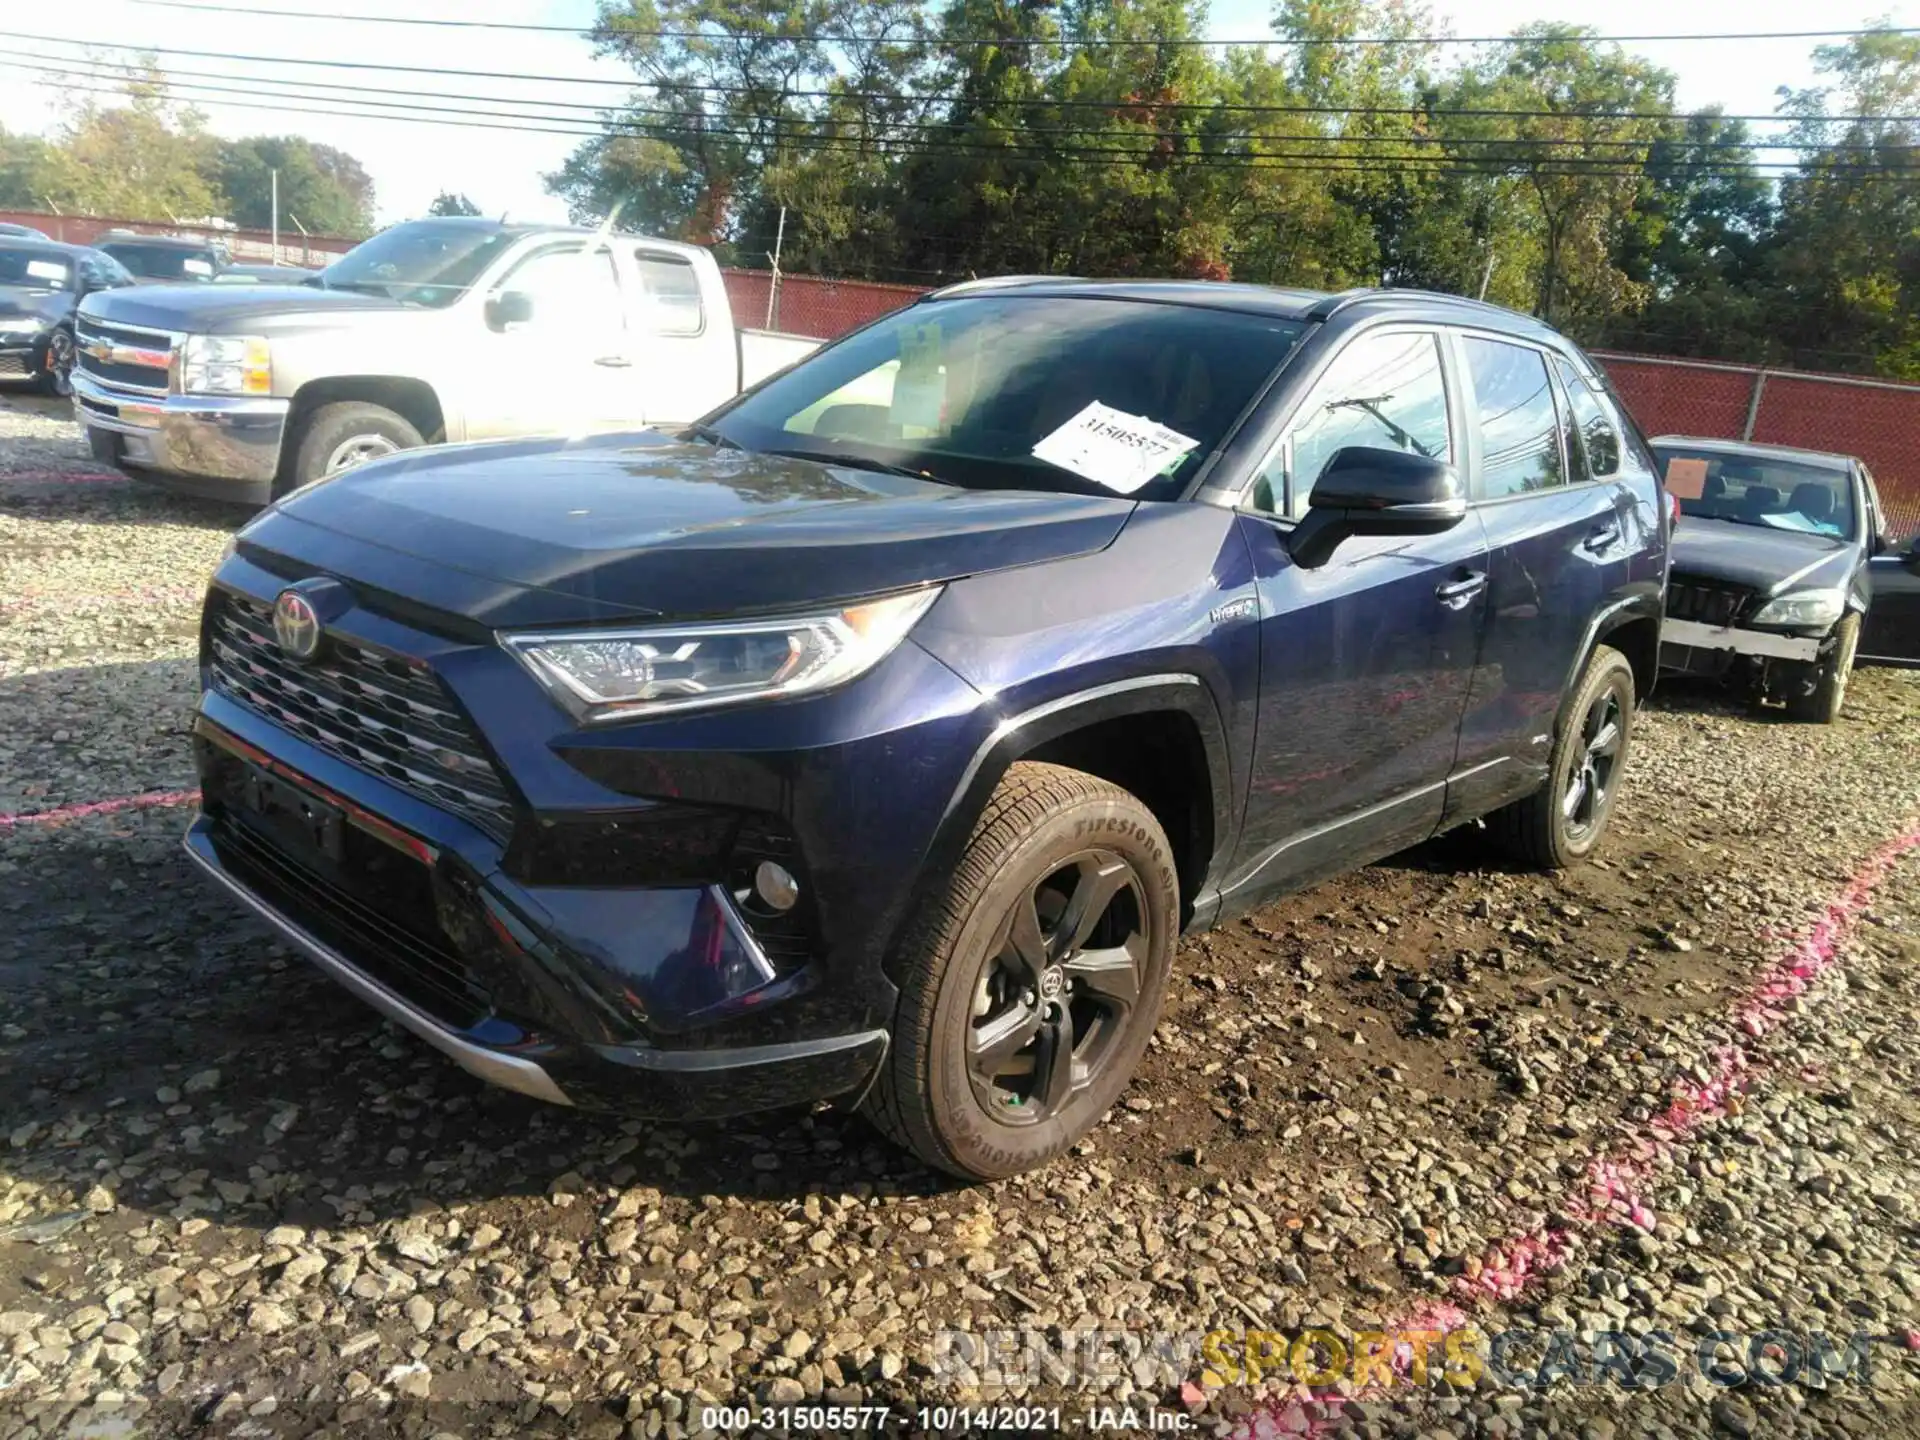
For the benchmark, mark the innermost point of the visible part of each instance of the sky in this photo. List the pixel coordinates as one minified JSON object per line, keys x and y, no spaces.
{"x":502,"y":169}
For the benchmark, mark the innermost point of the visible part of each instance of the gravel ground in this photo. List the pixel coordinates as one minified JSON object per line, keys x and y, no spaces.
{"x":230,"y":1196}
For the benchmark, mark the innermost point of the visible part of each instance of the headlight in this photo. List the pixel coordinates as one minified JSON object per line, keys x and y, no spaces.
{"x":620,"y":674}
{"x":22,"y":327}
{"x":1803,"y":608}
{"x":226,"y":365}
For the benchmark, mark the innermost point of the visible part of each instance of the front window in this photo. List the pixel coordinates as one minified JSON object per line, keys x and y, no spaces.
{"x":36,"y":269}
{"x":423,"y":262}
{"x":1761,"y":490}
{"x":163,"y":262}
{"x":1075,"y":394}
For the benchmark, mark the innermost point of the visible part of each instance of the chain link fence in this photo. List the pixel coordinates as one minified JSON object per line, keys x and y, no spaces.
{"x":809,"y":305}
{"x":1877,"y":420}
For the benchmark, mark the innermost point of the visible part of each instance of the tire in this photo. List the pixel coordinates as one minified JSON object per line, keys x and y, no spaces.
{"x":56,"y":373}
{"x":352,"y":431}
{"x":1556,"y":826}
{"x":1064,"y":841}
{"x":1822,"y":707}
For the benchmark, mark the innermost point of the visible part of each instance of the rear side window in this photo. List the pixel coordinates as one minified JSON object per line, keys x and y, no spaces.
{"x":1596,"y":444}
{"x":1519,"y":427}
{"x":1387,"y":392}
{"x":672,"y":294}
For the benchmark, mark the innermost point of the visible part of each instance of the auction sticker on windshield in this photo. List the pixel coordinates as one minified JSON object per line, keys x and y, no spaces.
{"x":1112,"y":448}
{"x":46,"y":270}
{"x":1686,"y":479}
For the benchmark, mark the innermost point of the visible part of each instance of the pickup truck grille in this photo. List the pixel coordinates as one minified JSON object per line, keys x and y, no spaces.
{"x":384,"y":715}
{"x":1707,"y":601}
{"x":122,"y":355}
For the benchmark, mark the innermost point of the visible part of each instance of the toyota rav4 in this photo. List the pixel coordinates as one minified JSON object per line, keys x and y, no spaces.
{"x":876,"y":738}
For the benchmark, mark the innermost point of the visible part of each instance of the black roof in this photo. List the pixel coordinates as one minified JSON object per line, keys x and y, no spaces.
{"x":1828,"y":459}
{"x":1265,"y":300}
{"x":43,"y":247}
{"x":184,"y":242}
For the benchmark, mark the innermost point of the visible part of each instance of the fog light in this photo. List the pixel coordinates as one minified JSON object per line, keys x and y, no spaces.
{"x":776,"y":887}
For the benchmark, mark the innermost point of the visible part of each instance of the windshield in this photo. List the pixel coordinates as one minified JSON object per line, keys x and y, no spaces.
{"x":423,"y":262}
{"x":163,"y":262}
{"x":1077,"y":394}
{"x":1759,"y":489}
{"x":36,"y":269}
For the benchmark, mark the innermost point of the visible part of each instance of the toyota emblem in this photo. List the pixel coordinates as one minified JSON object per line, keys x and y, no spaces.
{"x":296,"y":626}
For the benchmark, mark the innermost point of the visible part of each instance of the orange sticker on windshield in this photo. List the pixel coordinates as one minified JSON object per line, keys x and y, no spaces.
{"x":1686,"y":479}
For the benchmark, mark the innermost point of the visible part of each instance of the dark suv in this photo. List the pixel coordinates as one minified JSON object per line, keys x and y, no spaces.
{"x":877,"y":738}
{"x":165,"y":259}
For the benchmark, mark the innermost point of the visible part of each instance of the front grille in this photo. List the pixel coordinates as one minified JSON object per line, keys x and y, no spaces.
{"x":121,"y":344}
{"x":15,"y":366}
{"x":1707,"y":601}
{"x":384,"y":924}
{"x":386,"y":716}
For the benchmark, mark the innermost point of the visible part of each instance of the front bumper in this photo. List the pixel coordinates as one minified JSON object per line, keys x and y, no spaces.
{"x":1682,"y":640}
{"x":225,"y":447}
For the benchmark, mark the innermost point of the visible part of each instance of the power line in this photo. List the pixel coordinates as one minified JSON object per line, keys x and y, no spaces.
{"x":1010,"y":42}
{"x":1036,"y":102}
{"x":187,"y":81}
{"x":1116,"y":156}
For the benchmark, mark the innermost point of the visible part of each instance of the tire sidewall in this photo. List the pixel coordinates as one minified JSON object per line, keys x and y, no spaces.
{"x":1608,"y":669}
{"x":333,"y":425}
{"x":980,"y":1144}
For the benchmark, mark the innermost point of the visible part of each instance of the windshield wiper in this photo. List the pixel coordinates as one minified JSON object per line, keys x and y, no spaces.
{"x":859,"y":462}
{"x":713,"y":437}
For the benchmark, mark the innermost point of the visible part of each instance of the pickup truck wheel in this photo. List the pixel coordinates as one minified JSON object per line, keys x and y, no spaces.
{"x":1034,"y":978}
{"x":56,"y":374}
{"x":345,"y":434}
{"x":1822,"y":706}
{"x":1560,"y":823}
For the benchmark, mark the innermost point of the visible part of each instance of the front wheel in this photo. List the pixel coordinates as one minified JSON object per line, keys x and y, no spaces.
{"x":1033,"y":979}
{"x":340,"y":436}
{"x":1821,"y":705}
{"x":56,"y":370}
{"x":1560,"y":823}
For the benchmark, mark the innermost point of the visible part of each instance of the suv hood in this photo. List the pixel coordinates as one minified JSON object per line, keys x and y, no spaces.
{"x":18,"y":300}
{"x":1764,"y":559}
{"x":522,"y":533}
{"x":215,"y":309}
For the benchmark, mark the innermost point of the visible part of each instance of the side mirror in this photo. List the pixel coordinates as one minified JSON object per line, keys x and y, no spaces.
{"x":509,"y":307}
{"x":1365,"y":491}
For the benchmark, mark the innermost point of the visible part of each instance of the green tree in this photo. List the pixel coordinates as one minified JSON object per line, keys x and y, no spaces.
{"x":448,"y":203}
{"x":145,"y":158}
{"x":326,"y":189}
{"x":27,"y":172}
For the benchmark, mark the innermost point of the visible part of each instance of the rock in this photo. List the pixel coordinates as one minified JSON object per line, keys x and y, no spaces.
{"x":1734,"y":1415}
{"x":783,"y":1390}
{"x":201,"y":1082}
{"x":797,"y":1345}
{"x":284,"y":1237}
{"x":20,"y":1322}
{"x":484,"y":1237}
{"x":418,"y":1248}
{"x":100,"y":1200}
{"x":267,"y":1318}
{"x":420,"y":1313}
{"x":302,"y":1268}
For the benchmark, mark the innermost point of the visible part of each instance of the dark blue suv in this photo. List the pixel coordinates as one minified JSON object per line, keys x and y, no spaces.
{"x":877,"y":738}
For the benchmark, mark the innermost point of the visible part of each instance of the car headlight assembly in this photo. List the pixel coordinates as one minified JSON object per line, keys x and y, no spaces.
{"x":226,"y":365}
{"x":601,"y":675}
{"x":1803,"y":608}
{"x":22,"y":327}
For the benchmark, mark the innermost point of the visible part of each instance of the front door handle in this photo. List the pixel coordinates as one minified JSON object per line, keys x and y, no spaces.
{"x":614,"y":362}
{"x":1602,"y":538}
{"x":1460,"y":593}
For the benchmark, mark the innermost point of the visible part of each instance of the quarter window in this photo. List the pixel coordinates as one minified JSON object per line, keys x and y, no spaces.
{"x":1596,"y":442}
{"x":672,"y":294}
{"x":1519,"y":429}
{"x":1387,"y":392}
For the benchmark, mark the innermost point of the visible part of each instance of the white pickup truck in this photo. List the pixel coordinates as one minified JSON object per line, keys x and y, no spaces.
{"x":434,"y":330}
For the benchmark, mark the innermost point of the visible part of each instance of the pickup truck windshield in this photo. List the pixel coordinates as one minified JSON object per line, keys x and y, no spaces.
{"x":36,"y":269}
{"x":1761,"y":490}
{"x":164,"y":262}
{"x":1080,"y":394}
{"x":422,"y":262}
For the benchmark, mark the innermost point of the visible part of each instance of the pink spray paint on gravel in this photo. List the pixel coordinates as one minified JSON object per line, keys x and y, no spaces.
{"x":1612,"y":1190}
{"x":152,"y":800}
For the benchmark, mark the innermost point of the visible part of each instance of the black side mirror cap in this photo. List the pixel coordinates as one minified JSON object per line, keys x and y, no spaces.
{"x":1368,"y":491}
{"x":509,"y":307}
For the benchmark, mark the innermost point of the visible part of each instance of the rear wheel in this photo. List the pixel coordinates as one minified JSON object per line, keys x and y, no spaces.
{"x":340,"y":436}
{"x":1822,"y":705}
{"x":1034,"y":979}
{"x":1560,"y":823}
{"x":56,"y":372}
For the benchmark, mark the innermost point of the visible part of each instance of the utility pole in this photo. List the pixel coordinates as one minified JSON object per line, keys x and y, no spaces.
{"x":276,"y":217}
{"x":773,"y":286}
{"x":1486,"y":276}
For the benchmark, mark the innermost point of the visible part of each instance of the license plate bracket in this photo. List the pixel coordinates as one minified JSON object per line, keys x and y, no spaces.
{"x":295,"y":814}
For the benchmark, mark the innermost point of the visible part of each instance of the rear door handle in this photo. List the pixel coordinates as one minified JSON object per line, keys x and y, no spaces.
{"x":1603,"y":537}
{"x":614,"y":362}
{"x":1458,"y":594}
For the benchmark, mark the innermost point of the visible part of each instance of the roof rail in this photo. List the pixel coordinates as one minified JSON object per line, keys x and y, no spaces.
{"x":1333,"y":304}
{"x":996,"y":282}
{"x":1326,"y":309}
